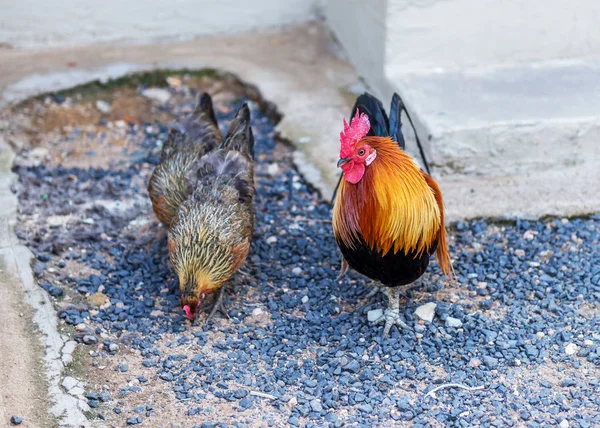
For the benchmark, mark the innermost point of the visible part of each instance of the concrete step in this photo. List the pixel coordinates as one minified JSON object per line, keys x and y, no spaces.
{"x":508,"y":120}
{"x":513,"y":142}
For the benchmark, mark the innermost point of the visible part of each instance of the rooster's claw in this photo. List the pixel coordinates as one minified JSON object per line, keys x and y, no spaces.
{"x":390,"y":317}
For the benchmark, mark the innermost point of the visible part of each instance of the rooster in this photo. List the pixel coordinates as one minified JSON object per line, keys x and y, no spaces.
{"x":388,"y":217}
{"x":207,"y":204}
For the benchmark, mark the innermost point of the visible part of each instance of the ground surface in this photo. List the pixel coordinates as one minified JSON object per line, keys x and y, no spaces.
{"x":521,"y":320}
{"x":22,"y":378}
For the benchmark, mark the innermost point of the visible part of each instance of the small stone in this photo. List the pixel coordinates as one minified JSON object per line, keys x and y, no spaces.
{"x":520,"y":253}
{"x":98,"y":299}
{"x":134,"y":421}
{"x":571,"y":348}
{"x":273,"y":169}
{"x":271,"y":240}
{"x":529,"y":235}
{"x":77,"y":391}
{"x":453,"y":322}
{"x":157,"y":94}
{"x":157,"y":313}
{"x":69,"y":382}
{"x":475,"y":362}
{"x":587,"y":343}
{"x":90,"y":339}
{"x":297,"y":271}
{"x":173,"y":81}
{"x":246,"y":403}
{"x":256,"y":312}
{"x":102,"y":106}
{"x":374,"y":315}
{"x":564,"y":424}
{"x":426,"y":312}
{"x":113,"y":347}
{"x":353,"y":366}
{"x":37,"y":156}
{"x":540,"y":334}
{"x":490,"y":361}
{"x":16,"y":420}
{"x":305,"y":299}
{"x":81,"y":327}
{"x":316,"y":405}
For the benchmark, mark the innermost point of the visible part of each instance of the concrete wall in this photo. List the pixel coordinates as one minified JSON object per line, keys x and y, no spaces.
{"x":453,"y":34}
{"x":385,"y":38}
{"x":34,"y":23}
{"x":360,"y":26}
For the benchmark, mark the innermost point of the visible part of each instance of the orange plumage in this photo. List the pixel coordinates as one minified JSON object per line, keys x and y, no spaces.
{"x":388,"y":217}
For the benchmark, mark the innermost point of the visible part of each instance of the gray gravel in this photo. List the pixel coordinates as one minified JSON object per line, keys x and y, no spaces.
{"x":521,"y":320}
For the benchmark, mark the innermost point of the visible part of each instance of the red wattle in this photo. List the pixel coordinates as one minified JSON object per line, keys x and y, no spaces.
{"x":353,"y":172}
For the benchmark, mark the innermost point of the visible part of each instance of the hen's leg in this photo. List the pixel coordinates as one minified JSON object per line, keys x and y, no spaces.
{"x":391,"y":316}
{"x":219,"y":305}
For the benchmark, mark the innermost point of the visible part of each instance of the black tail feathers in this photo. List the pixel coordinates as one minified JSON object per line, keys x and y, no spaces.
{"x":372,"y":107}
{"x":396,"y":120}
{"x":396,"y":127}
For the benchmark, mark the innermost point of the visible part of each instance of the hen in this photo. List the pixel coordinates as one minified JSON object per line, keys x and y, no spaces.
{"x":203,"y":192}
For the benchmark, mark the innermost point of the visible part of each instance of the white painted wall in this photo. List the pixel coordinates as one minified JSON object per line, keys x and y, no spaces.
{"x":35,"y":23}
{"x":454,"y":34}
{"x":360,"y":26}
{"x":386,"y":38}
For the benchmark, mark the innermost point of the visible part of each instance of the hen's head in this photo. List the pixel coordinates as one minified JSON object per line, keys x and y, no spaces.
{"x":355,"y":154}
{"x":201,"y":264}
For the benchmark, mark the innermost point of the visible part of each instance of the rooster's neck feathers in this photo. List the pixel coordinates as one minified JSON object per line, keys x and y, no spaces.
{"x":392,"y":208}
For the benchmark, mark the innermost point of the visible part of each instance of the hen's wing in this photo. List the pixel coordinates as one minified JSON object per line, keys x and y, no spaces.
{"x":187,"y":142}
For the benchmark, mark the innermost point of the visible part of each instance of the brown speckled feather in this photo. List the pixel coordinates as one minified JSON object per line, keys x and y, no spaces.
{"x":191,"y":139}
{"x":210,"y":236}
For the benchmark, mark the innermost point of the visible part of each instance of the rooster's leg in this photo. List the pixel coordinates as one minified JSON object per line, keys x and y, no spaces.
{"x":218,"y":306}
{"x":391,"y":316}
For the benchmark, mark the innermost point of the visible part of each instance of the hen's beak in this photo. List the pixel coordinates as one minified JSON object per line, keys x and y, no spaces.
{"x":342,"y":161}
{"x":190,"y":311}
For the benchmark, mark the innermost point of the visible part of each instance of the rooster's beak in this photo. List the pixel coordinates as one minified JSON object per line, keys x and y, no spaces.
{"x":342,"y":161}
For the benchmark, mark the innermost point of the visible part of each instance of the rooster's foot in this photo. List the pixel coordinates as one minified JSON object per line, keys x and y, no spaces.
{"x":391,"y":316}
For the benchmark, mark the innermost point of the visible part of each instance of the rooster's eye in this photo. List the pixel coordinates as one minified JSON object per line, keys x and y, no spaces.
{"x":361,"y":152}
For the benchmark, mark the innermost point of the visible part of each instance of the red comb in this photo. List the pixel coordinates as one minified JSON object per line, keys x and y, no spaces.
{"x":358,"y":128}
{"x":188,"y":312}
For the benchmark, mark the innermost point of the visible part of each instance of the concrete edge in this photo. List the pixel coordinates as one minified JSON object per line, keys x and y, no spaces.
{"x":67,"y":409}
